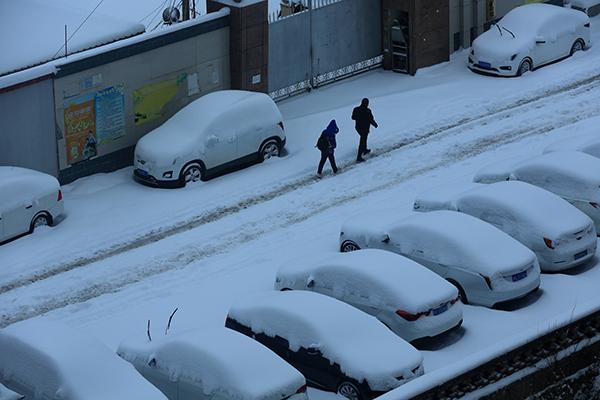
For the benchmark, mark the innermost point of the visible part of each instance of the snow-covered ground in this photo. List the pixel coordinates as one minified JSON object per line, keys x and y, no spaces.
{"x":126,"y":253}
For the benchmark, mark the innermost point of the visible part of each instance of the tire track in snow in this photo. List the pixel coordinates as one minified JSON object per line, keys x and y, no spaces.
{"x":535,"y":101}
{"x":254,"y":229}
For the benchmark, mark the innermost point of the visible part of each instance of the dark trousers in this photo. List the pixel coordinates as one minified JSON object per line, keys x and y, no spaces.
{"x":324,"y":156}
{"x":362,"y":146}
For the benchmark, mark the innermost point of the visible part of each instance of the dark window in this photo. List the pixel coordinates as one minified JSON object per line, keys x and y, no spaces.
{"x":594,"y":10}
{"x":473,"y":34}
{"x":457,"y":41}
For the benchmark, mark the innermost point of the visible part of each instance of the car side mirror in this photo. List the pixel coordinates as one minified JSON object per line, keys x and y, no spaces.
{"x":310,"y":283}
{"x":385,"y":239}
{"x":540,"y":40}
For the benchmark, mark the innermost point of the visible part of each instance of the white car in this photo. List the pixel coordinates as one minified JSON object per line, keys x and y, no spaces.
{"x":411,"y":300}
{"x":528,"y":37}
{"x":560,"y":235}
{"x":214,"y":364}
{"x":572,"y":175}
{"x":586,"y":143}
{"x":487,"y":266}
{"x":45,"y":360}
{"x":28,"y":199}
{"x":214,"y":133}
{"x":335,"y":346}
{"x":589,"y":7}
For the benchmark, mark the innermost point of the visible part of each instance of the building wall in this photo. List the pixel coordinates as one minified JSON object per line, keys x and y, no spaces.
{"x":118,"y":99}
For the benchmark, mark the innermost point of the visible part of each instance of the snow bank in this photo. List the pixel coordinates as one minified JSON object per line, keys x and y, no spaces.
{"x":42,"y":359}
{"x":362,"y":346}
{"x":586,"y":143}
{"x":220,"y":361}
{"x":375,"y":277}
{"x":21,"y":185}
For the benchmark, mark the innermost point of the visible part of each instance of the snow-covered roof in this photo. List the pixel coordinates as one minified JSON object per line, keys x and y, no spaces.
{"x":384,"y":279}
{"x":442,"y":197}
{"x":21,"y":184}
{"x":498,"y":171}
{"x":54,"y":361}
{"x":362,"y":346}
{"x":33,"y":32}
{"x":221,"y":361}
{"x":587,"y":143}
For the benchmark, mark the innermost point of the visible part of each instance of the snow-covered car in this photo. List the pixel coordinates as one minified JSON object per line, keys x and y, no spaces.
{"x":528,"y":37}
{"x":407,"y":297}
{"x":560,"y":235}
{"x":335,"y":346}
{"x":487,"y":266}
{"x":586,"y":143}
{"x":28,"y":199}
{"x":217,"y":132}
{"x":7,"y":394}
{"x":589,"y":7}
{"x":46,"y":360}
{"x":214,"y":363}
{"x":572,"y":175}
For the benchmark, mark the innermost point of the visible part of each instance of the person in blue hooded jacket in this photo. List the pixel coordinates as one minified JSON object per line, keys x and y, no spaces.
{"x":326,"y":145}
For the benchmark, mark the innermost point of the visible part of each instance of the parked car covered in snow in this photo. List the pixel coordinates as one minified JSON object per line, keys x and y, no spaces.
{"x":214,"y":363}
{"x":589,"y":7}
{"x":335,"y":346}
{"x":214,"y":133}
{"x":28,"y":200}
{"x":586,"y":143}
{"x":572,"y":175}
{"x":528,"y":37}
{"x":45,"y":360}
{"x":411,"y":300}
{"x":486,"y":265}
{"x":560,"y":235}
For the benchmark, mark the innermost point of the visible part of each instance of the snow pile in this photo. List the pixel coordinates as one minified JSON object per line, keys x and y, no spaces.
{"x":19,"y":186}
{"x":375,"y":277}
{"x":362,"y":346}
{"x":586,"y":143}
{"x":220,"y":361}
{"x":23,"y":46}
{"x":42,"y":359}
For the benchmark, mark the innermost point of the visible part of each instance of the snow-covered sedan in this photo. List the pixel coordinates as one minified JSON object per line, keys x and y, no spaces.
{"x":410,"y":299}
{"x":28,"y":200}
{"x":214,"y":363}
{"x":528,"y":37}
{"x":589,"y":7}
{"x":335,"y":346}
{"x":215,"y":133}
{"x":560,"y":235}
{"x":572,"y":175}
{"x":588,"y":143}
{"x":40,"y":359}
{"x":486,"y":265}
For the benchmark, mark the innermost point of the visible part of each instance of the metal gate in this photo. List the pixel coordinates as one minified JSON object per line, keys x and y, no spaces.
{"x":322,"y":42}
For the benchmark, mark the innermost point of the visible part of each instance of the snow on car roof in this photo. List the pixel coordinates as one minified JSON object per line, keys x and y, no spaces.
{"x":388,"y":280}
{"x":587,"y":143}
{"x":362,"y":346}
{"x":498,"y":171}
{"x":461,"y":240}
{"x":223,"y":361}
{"x":58,"y":362}
{"x":442,"y":197}
{"x":21,"y":184}
{"x":585,"y":3}
{"x":529,"y":16}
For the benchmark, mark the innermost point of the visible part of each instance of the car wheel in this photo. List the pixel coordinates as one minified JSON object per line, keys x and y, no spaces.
{"x":39,"y":221}
{"x":524,"y":67}
{"x":349,"y":246}
{"x":269,"y":149}
{"x":192,"y":173}
{"x":285,"y":289}
{"x":461,"y":293}
{"x":349,"y":390}
{"x":577,"y":46}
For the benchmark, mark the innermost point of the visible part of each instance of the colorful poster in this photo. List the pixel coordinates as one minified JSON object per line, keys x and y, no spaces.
{"x":80,"y":129}
{"x":110,"y":114}
{"x":150,"y":101}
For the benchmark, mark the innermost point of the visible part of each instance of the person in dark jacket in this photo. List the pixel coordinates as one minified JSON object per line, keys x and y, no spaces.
{"x":327,"y":145}
{"x":364,"y":119}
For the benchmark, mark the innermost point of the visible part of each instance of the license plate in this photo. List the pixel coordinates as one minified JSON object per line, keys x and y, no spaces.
{"x":519,"y":276}
{"x":142,"y":172}
{"x":485,"y":65}
{"x":581,"y":254}
{"x":441,"y":309}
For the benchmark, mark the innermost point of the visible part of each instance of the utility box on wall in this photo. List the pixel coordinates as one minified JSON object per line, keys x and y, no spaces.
{"x":415,"y":34}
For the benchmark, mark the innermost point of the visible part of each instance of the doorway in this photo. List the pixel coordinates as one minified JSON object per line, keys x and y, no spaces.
{"x":400,"y":43}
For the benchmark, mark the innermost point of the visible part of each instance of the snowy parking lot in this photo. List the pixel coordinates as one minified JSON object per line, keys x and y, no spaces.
{"x":126,"y":253}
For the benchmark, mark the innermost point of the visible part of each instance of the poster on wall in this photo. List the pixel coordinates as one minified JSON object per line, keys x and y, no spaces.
{"x":110,"y":114}
{"x":152,"y":102}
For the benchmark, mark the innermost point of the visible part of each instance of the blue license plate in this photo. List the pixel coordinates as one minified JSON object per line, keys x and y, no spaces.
{"x":485,"y":65}
{"x":142,"y":172}
{"x":440,"y":309}
{"x":519,"y":276}
{"x":581,"y":254}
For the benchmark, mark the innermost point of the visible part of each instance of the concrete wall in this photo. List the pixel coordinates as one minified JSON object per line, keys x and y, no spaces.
{"x":27,"y":134}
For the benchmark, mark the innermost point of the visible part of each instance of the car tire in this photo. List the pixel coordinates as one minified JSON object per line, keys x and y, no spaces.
{"x":461,"y":292}
{"x":269,"y":149}
{"x":348,"y":246}
{"x":192,"y":173}
{"x":578,"y":45}
{"x":349,"y":390}
{"x":285,"y":289}
{"x":42,"y":219}
{"x":524,"y":67}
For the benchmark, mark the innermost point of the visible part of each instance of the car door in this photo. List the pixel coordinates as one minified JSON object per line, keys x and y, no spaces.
{"x":220,"y":148}
{"x":17,"y":219}
{"x":315,"y":367}
{"x":546,"y":44}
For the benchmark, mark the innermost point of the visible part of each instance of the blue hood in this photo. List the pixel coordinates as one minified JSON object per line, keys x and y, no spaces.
{"x":332,"y":128}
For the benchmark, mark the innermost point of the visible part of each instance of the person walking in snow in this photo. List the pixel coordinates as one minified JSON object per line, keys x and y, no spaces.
{"x":364,"y":119}
{"x":326,"y":145}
